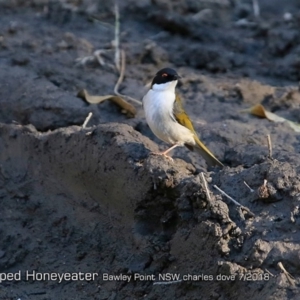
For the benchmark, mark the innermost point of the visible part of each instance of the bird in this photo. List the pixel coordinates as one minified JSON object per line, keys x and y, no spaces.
{"x":168,"y":120}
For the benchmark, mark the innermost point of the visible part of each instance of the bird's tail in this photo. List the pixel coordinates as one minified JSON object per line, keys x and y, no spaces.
{"x":206,"y":154}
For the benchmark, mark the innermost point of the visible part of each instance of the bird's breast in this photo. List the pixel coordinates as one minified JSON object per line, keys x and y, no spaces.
{"x":158,"y":108}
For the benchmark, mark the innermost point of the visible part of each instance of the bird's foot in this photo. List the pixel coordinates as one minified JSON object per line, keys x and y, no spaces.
{"x":163,"y":154}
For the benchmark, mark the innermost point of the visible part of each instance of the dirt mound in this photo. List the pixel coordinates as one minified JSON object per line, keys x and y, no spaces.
{"x":94,"y":201}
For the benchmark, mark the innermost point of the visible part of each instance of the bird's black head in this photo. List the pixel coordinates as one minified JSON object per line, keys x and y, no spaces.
{"x":165,"y":75}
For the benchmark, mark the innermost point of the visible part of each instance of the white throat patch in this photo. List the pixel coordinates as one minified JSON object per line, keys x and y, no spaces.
{"x":168,"y":86}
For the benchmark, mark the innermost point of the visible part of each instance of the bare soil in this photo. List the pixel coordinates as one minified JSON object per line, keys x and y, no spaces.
{"x":94,"y":200}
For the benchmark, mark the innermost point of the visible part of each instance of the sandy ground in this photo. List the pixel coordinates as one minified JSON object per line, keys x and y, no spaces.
{"x":93,"y":201}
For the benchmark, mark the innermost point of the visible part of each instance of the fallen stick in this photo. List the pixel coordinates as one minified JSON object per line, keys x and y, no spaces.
{"x":205,"y":187}
{"x":246,"y":184}
{"x":269,"y":272}
{"x":289,"y":277}
{"x":120,"y":80}
{"x":270,"y":146}
{"x":117,"y":37}
{"x":87,"y":120}
{"x":235,"y":202}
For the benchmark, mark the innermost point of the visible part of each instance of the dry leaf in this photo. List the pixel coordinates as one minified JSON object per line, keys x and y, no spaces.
{"x":126,"y":107}
{"x":260,"y":111}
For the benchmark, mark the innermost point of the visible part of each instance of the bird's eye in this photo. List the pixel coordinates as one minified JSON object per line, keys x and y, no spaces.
{"x":164,"y":75}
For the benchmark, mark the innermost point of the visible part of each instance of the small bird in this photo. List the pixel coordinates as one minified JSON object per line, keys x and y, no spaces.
{"x":168,"y":120}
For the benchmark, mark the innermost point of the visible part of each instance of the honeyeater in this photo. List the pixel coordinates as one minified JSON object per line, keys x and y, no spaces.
{"x":167,"y":118}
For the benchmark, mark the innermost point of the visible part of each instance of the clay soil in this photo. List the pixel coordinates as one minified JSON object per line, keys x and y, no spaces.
{"x":94,"y":200}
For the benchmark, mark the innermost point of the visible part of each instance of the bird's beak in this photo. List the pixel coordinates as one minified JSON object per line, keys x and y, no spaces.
{"x":177,"y":76}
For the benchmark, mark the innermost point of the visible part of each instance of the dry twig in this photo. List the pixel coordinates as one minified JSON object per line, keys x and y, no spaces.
{"x":270,"y":146}
{"x":121,"y":77}
{"x":117,"y":37}
{"x":289,"y":277}
{"x":226,"y":195}
{"x":87,"y":120}
{"x":269,"y":272}
{"x":120,"y":57}
{"x":205,"y":187}
{"x":235,"y":202}
{"x":97,"y":56}
{"x":246,"y":184}
{"x":122,"y":73}
{"x":120,"y":60}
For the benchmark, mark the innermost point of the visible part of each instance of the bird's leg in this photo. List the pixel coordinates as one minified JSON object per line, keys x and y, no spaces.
{"x":164,"y":153}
